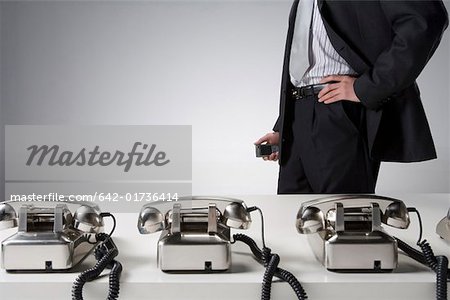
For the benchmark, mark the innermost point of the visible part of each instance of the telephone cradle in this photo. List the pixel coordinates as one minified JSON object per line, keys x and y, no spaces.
{"x":195,"y":231}
{"x":443,"y":227}
{"x":49,"y":237}
{"x":346,"y":234}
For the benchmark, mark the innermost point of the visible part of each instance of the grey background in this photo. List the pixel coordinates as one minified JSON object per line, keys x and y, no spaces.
{"x":215,"y":65}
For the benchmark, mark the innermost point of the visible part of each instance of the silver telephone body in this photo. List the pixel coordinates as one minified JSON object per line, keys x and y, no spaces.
{"x":443,"y":227}
{"x":345,"y":232}
{"x":195,"y":231}
{"x":51,"y":236}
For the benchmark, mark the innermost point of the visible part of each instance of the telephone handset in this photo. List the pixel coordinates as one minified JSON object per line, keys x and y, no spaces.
{"x":51,"y":236}
{"x":443,"y":227}
{"x":195,"y":231}
{"x":346,"y":233}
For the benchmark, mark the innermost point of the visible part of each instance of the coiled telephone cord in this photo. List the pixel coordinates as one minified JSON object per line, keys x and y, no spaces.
{"x":270,"y":262}
{"x":104,"y":253}
{"x":438,"y":264}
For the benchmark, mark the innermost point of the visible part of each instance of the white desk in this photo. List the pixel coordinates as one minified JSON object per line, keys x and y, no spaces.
{"x":142,"y":280}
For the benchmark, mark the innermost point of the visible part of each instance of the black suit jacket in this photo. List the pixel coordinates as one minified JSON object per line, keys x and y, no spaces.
{"x":388,"y":43}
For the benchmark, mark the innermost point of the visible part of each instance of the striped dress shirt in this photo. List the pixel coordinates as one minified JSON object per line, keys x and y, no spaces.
{"x":323,"y":58}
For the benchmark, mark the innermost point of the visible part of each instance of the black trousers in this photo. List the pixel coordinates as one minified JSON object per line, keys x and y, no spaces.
{"x":326,"y":150}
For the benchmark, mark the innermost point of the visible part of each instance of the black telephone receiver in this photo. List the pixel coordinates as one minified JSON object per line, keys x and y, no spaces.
{"x":51,"y":236}
{"x":346,"y":233}
{"x":195,"y":231}
{"x":443,"y":227}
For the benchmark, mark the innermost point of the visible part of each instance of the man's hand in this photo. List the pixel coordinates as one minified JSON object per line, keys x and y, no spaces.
{"x":341,"y":90}
{"x":272,"y":138}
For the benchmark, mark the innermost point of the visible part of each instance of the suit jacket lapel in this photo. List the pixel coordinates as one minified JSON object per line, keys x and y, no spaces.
{"x":293,"y":13}
{"x":349,"y":54}
{"x":320,"y":3}
{"x":290,"y":35}
{"x":355,"y":60}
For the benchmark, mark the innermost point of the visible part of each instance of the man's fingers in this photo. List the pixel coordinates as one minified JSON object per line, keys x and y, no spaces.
{"x":329,"y":95}
{"x":274,"y":156}
{"x":263,"y":139}
{"x":270,"y":138}
{"x":328,"y":88}
{"x":342,"y":90}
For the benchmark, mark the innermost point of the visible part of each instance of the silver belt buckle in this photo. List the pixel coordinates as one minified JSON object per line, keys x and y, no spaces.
{"x":297,"y":94}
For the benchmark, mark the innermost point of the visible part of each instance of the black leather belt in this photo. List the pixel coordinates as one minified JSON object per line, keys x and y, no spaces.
{"x":299,"y":93}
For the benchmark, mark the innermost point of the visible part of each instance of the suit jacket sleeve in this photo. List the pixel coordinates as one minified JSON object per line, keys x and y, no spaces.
{"x":417,"y":27}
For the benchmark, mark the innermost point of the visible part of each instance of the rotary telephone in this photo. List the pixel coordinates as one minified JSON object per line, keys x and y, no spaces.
{"x":195,"y":237}
{"x":346,"y":234}
{"x":55,"y":236}
{"x":195,"y":231}
{"x":49,"y":236}
{"x":339,"y":225}
{"x":443,"y":227}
